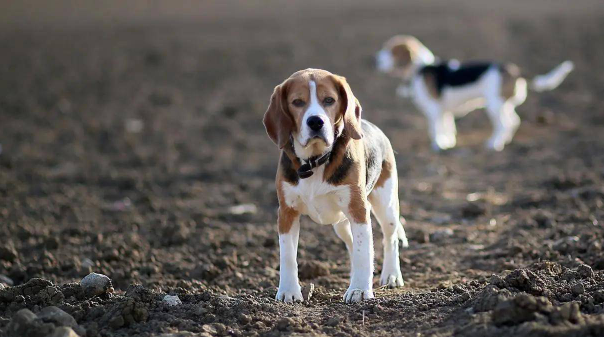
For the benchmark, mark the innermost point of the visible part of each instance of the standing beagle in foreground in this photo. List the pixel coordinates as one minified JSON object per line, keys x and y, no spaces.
{"x":445,"y":90}
{"x":335,"y":168}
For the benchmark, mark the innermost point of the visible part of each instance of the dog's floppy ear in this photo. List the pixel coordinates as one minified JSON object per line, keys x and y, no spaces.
{"x":351,"y":109}
{"x":277,"y":119}
{"x":403,"y":53}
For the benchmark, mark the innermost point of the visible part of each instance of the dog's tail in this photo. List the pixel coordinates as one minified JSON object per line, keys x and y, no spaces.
{"x":400,"y":231}
{"x":552,"y":79}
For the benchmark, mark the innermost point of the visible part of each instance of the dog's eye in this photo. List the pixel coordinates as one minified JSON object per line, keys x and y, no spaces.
{"x":298,"y":103}
{"x":328,"y":101}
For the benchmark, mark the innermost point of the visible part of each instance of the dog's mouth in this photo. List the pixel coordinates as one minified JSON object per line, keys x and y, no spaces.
{"x":316,"y":140}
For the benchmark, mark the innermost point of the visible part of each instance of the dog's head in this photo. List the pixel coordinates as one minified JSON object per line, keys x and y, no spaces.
{"x":401,"y":54}
{"x":310,"y":108}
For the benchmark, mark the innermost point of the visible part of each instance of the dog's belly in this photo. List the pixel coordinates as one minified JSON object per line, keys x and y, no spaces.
{"x":462,"y":100}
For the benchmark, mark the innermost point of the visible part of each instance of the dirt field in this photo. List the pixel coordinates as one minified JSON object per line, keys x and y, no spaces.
{"x":129,"y":147}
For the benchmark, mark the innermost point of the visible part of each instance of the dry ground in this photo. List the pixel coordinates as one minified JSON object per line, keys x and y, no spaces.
{"x":128,"y":135}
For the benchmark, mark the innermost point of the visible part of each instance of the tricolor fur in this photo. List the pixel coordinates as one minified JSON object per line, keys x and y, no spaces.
{"x":446,"y":90}
{"x":311,"y":114}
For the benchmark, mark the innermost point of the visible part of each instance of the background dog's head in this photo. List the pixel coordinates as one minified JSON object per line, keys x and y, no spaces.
{"x":310,"y":108}
{"x":401,"y":55}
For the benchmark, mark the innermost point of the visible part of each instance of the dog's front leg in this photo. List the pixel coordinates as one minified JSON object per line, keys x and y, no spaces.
{"x":289,"y":231}
{"x":361,"y":275}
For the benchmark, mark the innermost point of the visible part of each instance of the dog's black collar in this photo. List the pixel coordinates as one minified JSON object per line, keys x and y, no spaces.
{"x":307,"y":165}
{"x":305,"y":169}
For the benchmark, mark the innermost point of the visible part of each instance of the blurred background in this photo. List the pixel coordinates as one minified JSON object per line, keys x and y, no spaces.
{"x":132,"y":141}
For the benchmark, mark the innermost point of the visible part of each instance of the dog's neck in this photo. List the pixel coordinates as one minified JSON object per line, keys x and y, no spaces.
{"x":306,"y":163}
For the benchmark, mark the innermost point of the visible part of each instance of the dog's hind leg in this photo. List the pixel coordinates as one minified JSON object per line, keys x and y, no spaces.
{"x":344,"y":232}
{"x":385,"y":207}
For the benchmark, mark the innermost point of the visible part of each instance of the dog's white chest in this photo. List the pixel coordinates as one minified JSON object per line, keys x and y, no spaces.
{"x":322,"y":202}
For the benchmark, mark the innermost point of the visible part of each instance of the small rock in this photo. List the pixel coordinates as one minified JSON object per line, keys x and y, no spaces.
{"x":52,"y":243}
{"x":6,"y":280}
{"x":441,"y":235}
{"x":87,"y":263}
{"x":284,"y":323}
{"x":307,"y":291}
{"x":20,"y":323}
{"x":244,"y":319}
{"x":57,"y":316}
{"x":8,"y":252}
{"x":472,"y":210}
{"x":577,"y":289}
{"x":172,"y":300}
{"x":214,"y":328}
{"x":96,"y":284}
{"x":64,"y":332}
{"x":243,"y":209}
{"x":134,"y":125}
{"x":334,"y":321}
{"x":313,"y":269}
{"x":585,"y":271}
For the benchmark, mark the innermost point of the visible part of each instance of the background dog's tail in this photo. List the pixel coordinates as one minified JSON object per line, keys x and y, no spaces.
{"x":552,"y":79}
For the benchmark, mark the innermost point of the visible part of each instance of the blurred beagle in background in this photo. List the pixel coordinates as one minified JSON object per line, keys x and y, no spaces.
{"x":335,"y":168}
{"x":445,"y":90}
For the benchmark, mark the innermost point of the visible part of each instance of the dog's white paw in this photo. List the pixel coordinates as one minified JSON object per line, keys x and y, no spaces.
{"x":496,"y":144}
{"x":290,"y":294}
{"x":357,"y":295}
{"x":392,"y":280}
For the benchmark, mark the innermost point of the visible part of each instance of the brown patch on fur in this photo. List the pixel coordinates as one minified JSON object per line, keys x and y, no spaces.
{"x":404,"y":50}
{"x":509,"y":75}
{"x":287,"y":215}
{"x":402,"y":55}
{"x":385,"y":174}
{"x":355,"y":178}
{"x":358,"y":207}
{"x":430,"y":82}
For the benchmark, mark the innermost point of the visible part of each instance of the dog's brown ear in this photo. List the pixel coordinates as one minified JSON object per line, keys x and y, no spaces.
{"x":277,"y":119}
{"x":403,"y":53}
{"x":351,"y":109}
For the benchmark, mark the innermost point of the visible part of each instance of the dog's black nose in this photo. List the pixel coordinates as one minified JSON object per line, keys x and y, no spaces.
{"x":315,"y":123}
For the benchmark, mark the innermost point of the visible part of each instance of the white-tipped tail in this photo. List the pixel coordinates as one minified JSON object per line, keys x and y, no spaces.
{"x":552,"y":79}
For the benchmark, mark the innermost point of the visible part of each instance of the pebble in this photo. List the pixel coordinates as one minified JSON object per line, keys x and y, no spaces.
{"x":6,"y":280}
{"x":307,"y":291}
{"x":96,"y":284}
{"x":87,"y":263}
{"x":334,"y":321}
{"x":55,"y":315}
{"x":578,"y":289}
{"x":8,"y":252}
{"x":172,"y":300}
{"x":585,"y":271}
{"x":441,"y":234}
{"x":20,"y":322}
{"x":64,"y":332}
{"x":243,"y":209}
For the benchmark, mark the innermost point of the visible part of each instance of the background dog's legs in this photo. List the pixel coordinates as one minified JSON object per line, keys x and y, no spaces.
{"x":385,"y":207}
{"x":497,"y":115}
{"x":436,"y":126}
{"x":450,"y":129}
{"x":513,"y":120}
{"x":289,"y":286}
{"x":343,"y":231}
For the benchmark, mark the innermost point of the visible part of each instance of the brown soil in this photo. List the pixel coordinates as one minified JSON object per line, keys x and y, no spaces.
{"x":125,"y":148}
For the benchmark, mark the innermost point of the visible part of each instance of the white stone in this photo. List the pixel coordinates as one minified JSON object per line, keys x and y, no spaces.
{"x":172,"y":300}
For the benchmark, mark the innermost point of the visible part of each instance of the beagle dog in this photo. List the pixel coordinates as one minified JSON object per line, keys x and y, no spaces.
{"x":335,"y":168}
{"x":443,"y":90}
